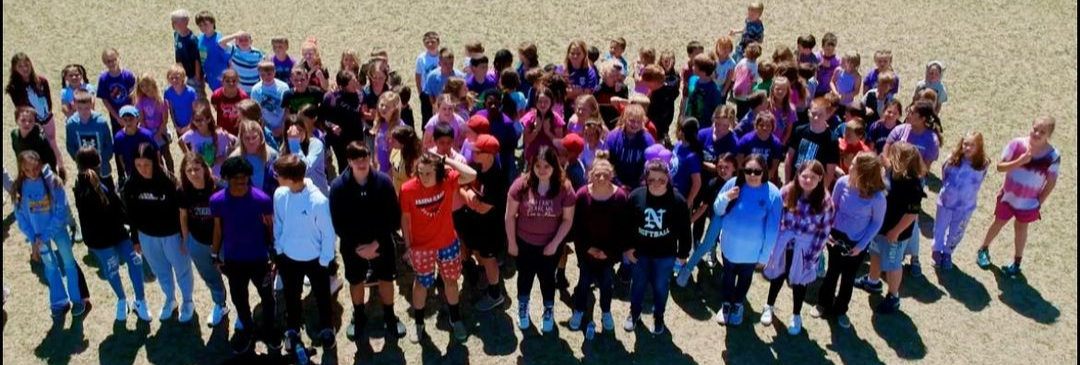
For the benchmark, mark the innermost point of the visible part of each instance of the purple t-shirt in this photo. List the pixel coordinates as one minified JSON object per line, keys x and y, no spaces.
{"x":116,"y":90}
{"x":878,"y":135}
{"x":926,"y":142}
{"x":628,"y":155}
{"x":481,"y":86}
{"x":771,"y":148}
{"x":128,"y":145}
{"x":826,"y":68}
{"x":584,"y":78}
{"x":153,"y":114}
{"x":244,"y":234}
{"x":713,"y":148}
{"x":538,"y":217}
{"x":685,"y":164}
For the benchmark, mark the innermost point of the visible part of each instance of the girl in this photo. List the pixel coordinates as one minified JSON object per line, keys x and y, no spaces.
{"x":806,"y":222}
{"x":935,"y":71}
{"x":687,"y":162}
{"x":783,"y":109}
{"x":542,"y":125}
{"x":406,"y":150}
{"x":579,"y":73}
{"x":923,"y":130}
{"x":627,"y":144}
{"x":530,"y":59}
{"x":499,"y":108}
{"x":197,"y":228}
{"x":585,"y":108}
{"x":387,"y":117}
{"x":847,"y":81}
{"x":73,"y":78}
{"x":101,"y":210}
{"x":748,"y":212}
{"x":312,"y":63}
{"x":447,"y":115}
{"x":539,"y":215}
{"x":646,"y":57}
{"x":746,"y":74}
{"x":154,"y":116}
{"x":594,"y":135}
{"x":878,"y":133}
{"x":1032,"y":166}
{"x":599,"y":242}
{"x":662,"y":242}
{"x":662,"y":109}
{"x":456,"y":88}
{"x":28,"y":89}
{"x":859,"y":201}
{"x":41,"y":212}
{"x":726,"y":167}
{"x":312,"y":151}
{"x":350,"y":61}
{"x":29,"y":137}
{"x":252,"y":146}
{"x":206,"y":140}
{"x":905,"y":172}
{"x":962,"y":177}
{"x":763,"y":142}
{"x":378,"y":73}
{"x":153,"y":203}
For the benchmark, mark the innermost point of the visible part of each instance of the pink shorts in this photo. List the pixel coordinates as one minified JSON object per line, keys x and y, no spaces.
{"x":1004,"y":212}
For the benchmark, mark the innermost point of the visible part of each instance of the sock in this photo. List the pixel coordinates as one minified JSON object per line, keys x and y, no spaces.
{"x":455,"y":312}
{"x":1017,"y":260}
{"x":418,"y":315}
{"x":493,"y":291}
{"x":359,"y":319}
{"x":389,"y":317}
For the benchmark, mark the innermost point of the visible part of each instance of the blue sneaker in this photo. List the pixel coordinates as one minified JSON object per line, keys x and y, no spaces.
{"x":916,"y":269}
{"x":890,"y":305}
{"x":984,"y":258}
{"x":1011,"y":270}
{"x":865,"y":284}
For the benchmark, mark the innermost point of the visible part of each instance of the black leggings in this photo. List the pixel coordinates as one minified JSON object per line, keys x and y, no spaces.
{"x":531,"y":263}
{"x":798,"y":292}
{"x":242,"y":273}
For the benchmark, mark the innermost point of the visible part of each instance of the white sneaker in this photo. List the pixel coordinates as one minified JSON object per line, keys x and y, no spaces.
{"x":767,"y":315}
{"x":167,"y":311}
{"x":630,"y":324}
{"x":187,"y":310}
{"x":121,"y":310}
{"x":721,"y":317}
{"x":142,"y":311}
{"x":336,"y":284}
{"x":816,"y":311}
{"x":217,"y":315}
{"x":307,"y":282}
{"x":575,"y":320}
{"x":795,"y":327}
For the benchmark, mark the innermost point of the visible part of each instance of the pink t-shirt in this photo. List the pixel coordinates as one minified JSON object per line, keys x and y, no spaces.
{"x":541,"y":139}
{"x":1025,"y":184}
{"x":538,"y":217}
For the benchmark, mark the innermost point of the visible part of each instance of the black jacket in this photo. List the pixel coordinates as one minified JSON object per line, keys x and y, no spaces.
{"x":660,"y":224}
{"x":102,"y":223}
{"x":362,"y":214}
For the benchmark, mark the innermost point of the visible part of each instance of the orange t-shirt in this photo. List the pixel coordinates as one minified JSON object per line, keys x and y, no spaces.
{"x":431,"y":210}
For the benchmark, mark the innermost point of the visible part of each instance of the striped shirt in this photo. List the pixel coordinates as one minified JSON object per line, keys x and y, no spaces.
{"x":246,"y":64}
{"x":1024,"y":185}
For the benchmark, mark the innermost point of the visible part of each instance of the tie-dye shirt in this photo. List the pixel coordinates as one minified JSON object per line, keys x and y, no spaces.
{"x":1025,"y":184}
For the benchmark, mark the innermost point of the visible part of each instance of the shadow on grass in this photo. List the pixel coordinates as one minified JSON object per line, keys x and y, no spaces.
{"x":456,"y":353}
{"x":605,"y":348}
{"x":964,"y":288}
{"x":926,"y":225}
{"x":701,"y":296}
{"x":181,"y":343}
{"x":742,"y":344}
{"x":548,"y":348}
{"x":658,"y":349}
{"x":122,"y":346}
{"x":852,"y":349}
{"x":60,"y":344}
{"x":901,"y":334}
{"x":921,"y":289}
{"x":1019,"y":295}
{"x":798,"y":349}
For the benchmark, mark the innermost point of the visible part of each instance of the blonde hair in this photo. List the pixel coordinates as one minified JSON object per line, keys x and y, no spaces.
{"x":906,"y":161}
{"x":602,"y":162}
{"x":591,"y":100}
{"x":247,"y":127}
{"x":393,"y":100}
{"x":176,"y":70}
{"x":647,"y":55}
{"x":853,"y":58}
{"x":179,"y":15}
{"x":722,"y":42}
{"x":147,"y":81}
{"x":632,"y":111}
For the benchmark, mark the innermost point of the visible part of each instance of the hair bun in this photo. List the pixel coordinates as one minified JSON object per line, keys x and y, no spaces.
{"x":603,"y":155}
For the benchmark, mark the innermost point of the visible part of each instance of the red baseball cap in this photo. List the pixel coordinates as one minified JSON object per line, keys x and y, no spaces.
{"x":479,"y":124}
{"x":573,"y":143}
{"x":485,"y":143}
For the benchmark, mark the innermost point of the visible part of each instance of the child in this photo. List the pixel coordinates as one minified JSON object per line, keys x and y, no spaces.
{"x":205,"y":139}
{"x":580,"y":74}
{"x":805,"y":47}
{"x":646,"y":57}
{"x":212,"y":57}
{"x":935,"y":71}
{"x":746,"y":73}
{"x":127,"y":141}
{"x":154,"y":116}
{"x":846,"y":81}
{"x":473,"y":50}
{"x":283,"y":63}
{"x":437,"y":78}
{"x":880,"y":130}
{"x":313,"y":64}
{"x":243,"y":57}
{"x":387,"y":118}
{"x":88,"y":128}
{"x":717,"y":139}
{"x":269,"y":93}
{"x":542,"y":125}
{"x":572,"y":147}
{"x":882,"y":64}
{"x":780,"y":97}
{"x":179,"y":101}
{"x":29,"y":137}
{"x":766,"y":73}
{"x":693,"y":49}
{"x":753,"y":31}
{"x":302,"y":93}
{"x":758,"y":103}
{"x":251,"y":145}
{"x":962,"y":177}
{"x":480,"y":80}
{"x":426,"y":62}
{"x":115,"y":86}
{"x":686,"y":164}
{"x":406,"y":150}
{"x":807,"y":72}
{"x":616,"y":49}
{"x":448,"y":117}
{"x":610,"y":87}
{"x":725,"y":64}
{"x":828,"y":65}
{"x":73,"y":79}
{"x":350,"y":60}
{"x":813,"y":141}
{"x":225,"y":100}
{"x":878,"y":97}
{"x":186,"y":49}
{"x":1032,"y":165}
{"x":852,"y":144}
{"x":662,"y":108}
{"x":706,"y":96}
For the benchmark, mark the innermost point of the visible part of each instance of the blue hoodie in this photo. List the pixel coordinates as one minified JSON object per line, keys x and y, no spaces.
{"x":751,"y":227}
{"x":93,"y":132}
{"x":42,"y":214}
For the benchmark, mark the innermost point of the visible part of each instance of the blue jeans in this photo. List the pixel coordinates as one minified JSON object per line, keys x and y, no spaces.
{"x":53,"y":259}
{"x":601,"y":273}
{"x":200,"y":256}
{"x":171,"y":267}
{"x":109,"y":260}
{"x":736,"y":282}
{"x":654,"y":270}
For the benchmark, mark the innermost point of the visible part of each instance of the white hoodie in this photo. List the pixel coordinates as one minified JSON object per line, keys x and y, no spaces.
{"x":303,"y":230}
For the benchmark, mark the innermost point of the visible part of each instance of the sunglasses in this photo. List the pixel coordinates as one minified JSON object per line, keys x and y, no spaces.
{"x":753,"y":172}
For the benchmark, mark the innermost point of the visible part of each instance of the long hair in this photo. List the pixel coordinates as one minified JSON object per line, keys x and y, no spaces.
{"x":580,"y":45}
{"x":15,"y":81}
{"x":202,"y":109}
{"x":906,"y":161}
{"x":532,"y":182}
{"x":926,"y":110}
{"x":435,"y":161}
{"x":550,"y":113}
{"x":192,"y":159}
{"x":88,"y":160}
{"x":530,"y":56}
{"x":251,"y":127}
{"x":688,"y":130}
{"x":51,"y":181}
{"x":411,"y":147}
{"x":595,"y":105}
{"x":146,"y":81}
{"x":979,"y":162}
{"x":740,"y":179}
{"x":391,"y":100}
{"x":73,"y":68}
{"x":818,"y":196}
{"x":866,"y":168}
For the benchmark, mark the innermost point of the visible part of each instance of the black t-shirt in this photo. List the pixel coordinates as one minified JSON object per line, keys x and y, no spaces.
{"x":343,"y":110}
{"x":662,"y":109}
{"x":491,"y":187}
{"x":200,"y":221}
{"x":293,"y":100}
{"x":905,"y":197}
{"x":809,"y":145}
{"x":603,"y":96}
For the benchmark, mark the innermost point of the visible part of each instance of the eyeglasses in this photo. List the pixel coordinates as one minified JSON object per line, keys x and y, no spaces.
{"x":753,"y":172}
{"x":657,"y":181}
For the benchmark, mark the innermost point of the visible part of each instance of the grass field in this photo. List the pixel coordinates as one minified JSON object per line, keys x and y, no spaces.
{"x":1008,"y":62}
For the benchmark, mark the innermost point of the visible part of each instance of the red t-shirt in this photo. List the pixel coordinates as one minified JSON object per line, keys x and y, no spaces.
{"x":228,"y":115}
{"x":431,"y":210}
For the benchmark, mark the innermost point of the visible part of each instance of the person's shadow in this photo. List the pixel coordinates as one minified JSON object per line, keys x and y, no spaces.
{"x":658,"y":349}
{"x":492,"y":328}
{"x":964,"y":288}
{"x":60,"y":344}
{"x":798,"y":349}
{"x":701,"y":296}
{"x":605,"y":348}
{"x":179,"y":343}
{"x":852,"y":349}
{"x":901,"y":334}
{"x":122,"y":346}
{"x":742,"y":344}
{"x":456,"y":353}
{"x":1019,"y":295}
{"x":549,"y":348}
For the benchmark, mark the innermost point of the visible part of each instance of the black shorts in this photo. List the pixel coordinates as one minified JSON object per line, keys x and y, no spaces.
{"x":384,"y":266}
{"x":488,"y":239}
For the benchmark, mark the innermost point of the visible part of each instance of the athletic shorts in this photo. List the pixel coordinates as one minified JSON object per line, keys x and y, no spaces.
{"x":448,"y":261}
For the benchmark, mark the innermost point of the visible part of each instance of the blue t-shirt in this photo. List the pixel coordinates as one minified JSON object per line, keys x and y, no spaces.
{"x":182,"y":104}
{"x":425,"y":63}
{"x":244,"y":234}
{"x":214,"y":59}
{"x":704,"y":100}
{"x":246,"y":64}
{"x":269,"y":99}
{"x":770,"y":148}
{"x":684,"y":164}
{"x":436,"y":81}
{"x":283,"y":69}
{"x":116,"y":90}
{"x":128,"y":145}
{"x":723,"y":69}
{"x":187,"y":52}
{"x":714,"y":148}
{"x":754,"y":32}
{"x":67,"y":94}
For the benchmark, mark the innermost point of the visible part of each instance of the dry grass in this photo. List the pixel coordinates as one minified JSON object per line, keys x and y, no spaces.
{"x":1008,"y":61}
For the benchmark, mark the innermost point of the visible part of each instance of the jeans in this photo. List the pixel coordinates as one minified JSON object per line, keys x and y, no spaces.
{"x":654,"y":270}
{"x":949,"y":228}
{"x":292,"y":277}
{"x":736,"y":282}
{"x":171,"y":266}
{"x":842,"y":269}
{"x":53,"y":259}
{"x":109,"y":259}
{"x":200,"y":256}
{"x":603,"y":274}
{"x":912,"y":248}
{"x":242,"y":273}
{"x":531,"y":263}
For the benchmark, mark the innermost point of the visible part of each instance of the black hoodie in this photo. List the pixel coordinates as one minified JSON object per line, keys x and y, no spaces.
{"x":102,"y":224}
{"x":660,"y":224}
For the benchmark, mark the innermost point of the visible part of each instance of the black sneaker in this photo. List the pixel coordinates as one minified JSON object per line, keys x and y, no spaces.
{"x":658,"y":326}
{"x":328,"y":339}
{"x":241,"y":342}
{"x":890,"y":305}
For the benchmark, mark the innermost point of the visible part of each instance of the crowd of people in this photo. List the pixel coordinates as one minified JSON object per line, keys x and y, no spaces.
{"x":796,"y":165}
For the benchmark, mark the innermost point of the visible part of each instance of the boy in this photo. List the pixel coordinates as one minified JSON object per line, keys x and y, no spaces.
{"x":366,"y":214}
{"x":428,"y":230}
{"x":304,"y":249}
{"x":616,"y":49}
{"x":437,"y":78}
{"x":875,"y":99}
{"x":212,"y":57}
{"x":805,"y":45}
{"x":813,"y":141}
{"x":88,"y":128}
{"x":426,"y":62}
{"x":180,"y":101}
{"x":572,"y":147}
{"x":883,"y":63}
{"x":269,"y":93}
{"x":126,"y":142}
{"x":852,"y":143}
{"x":115,"y":86}
{"x":241,"y":249}
{"x":480,"y":80}
{"x":186,"y":49}
{"x":693,"y":49}
{"x":766,"y":72}
{"x":473,"y":50}
{"x":302,"y":92}
{"x":283,"y":63}
{"x":757,"y":103}
{"x":243,"y":57}
{"x":444,"y":138}
{"x":706,"y":95}
{"x":482,"y":218}
{"x":225,"y":100}
{"x":725,"y":64}
{"x":753,"y":31}
{"x":829,"y":63}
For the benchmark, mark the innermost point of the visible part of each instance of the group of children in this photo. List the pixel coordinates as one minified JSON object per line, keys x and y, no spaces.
{"x":286,"y":170}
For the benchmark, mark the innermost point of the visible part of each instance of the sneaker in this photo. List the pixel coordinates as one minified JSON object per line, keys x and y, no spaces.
{"x":939,"y":258}
{"x":677,"y":269}
{"x":121,"y":310}
{"x":335,"y":285}
{"x":460,"y":332}
{"x":327,"y":338}
{"x":795,"y":327}
{"x":217,"y":315}
{"x":575,"y":320}
{"x":241,"y":342}
{"x":844,"y":321}
{"x":890,"y":305}
{"x":865,"y":284}
{"x":1010,"y":270}
{"x":523,"y":316}
{"x":821,"y":269}
{"x":78,"y":309}
{"x":76,"y":234}
{"x":590,"y":331}
{"x":983,"y":259}
{"x":767,"y":316}
{"x":916,"y":269}
{"x":487,"y":303}
{"x":709,"y":260}
{"x":947,"y":262}
{"x":59,"y":310}
{"x":142,"y":311}
{"x":630,"y":324}
{"x":238,"y":325}
{"x":817,"y":311}
{"x":167,"y":311}
{"x":398,"y":327}
{"x":737,"y":315}
{"x":721,"y":317}
{"x":608,"y":321}
{"x":548,"y":321}
{"x":658,"y":326}
{"x":417,"y":334}
{"x":187,"y":310}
